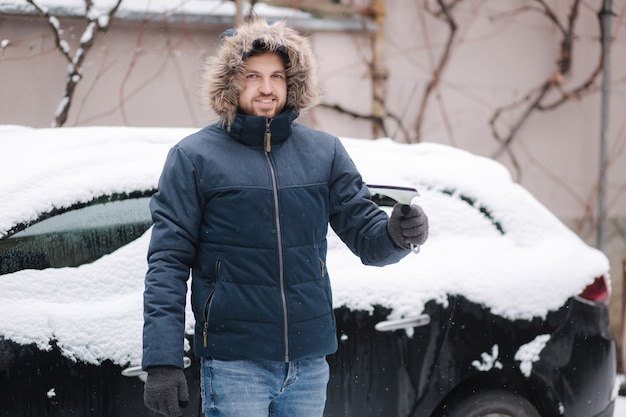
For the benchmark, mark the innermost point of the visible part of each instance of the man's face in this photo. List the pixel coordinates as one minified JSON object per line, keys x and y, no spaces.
{"x":264,"y":90}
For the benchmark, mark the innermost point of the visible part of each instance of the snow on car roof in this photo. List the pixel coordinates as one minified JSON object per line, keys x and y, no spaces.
{"x":490,"y":240}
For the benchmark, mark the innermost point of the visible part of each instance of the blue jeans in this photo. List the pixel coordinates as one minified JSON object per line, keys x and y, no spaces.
{"x":246,"y":388}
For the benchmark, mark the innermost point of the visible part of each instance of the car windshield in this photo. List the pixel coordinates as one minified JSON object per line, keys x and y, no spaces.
{"x":76,"y":237}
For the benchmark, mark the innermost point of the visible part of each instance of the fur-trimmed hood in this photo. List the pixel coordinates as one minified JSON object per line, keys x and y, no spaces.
{"x":223,"y":73}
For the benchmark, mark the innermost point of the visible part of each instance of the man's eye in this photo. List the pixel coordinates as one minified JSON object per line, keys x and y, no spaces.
{"x":279,"y":76}
{"x":251,"y":76}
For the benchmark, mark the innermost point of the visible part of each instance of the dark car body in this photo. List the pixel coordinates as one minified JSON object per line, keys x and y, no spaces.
{"x":372,"y":373}
{"x":455,"y":357}
{"x":396,"y":375}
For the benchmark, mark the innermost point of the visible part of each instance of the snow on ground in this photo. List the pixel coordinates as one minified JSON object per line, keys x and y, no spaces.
{"x":94,"y":311}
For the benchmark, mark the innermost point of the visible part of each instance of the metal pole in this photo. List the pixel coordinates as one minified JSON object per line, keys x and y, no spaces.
{"x":606,"y":80}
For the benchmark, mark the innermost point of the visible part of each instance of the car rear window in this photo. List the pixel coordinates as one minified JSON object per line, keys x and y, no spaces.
{"x":76,"y":237}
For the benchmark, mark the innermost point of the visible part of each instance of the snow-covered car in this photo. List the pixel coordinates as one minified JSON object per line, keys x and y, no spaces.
{"x":503,"y":311}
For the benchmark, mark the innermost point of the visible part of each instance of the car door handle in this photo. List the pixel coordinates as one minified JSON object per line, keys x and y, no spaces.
{"x":405,"y":323}
{"x":138,"y":372}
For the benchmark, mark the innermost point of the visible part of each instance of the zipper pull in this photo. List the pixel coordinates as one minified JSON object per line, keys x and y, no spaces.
{"x":205,"y":333}
{"x":268,"y":136}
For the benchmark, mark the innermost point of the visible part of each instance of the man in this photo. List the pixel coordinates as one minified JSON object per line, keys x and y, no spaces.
{"x":245,"y":205}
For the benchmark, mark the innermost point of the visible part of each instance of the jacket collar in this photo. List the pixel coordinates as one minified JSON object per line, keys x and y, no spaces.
{"x":250,"y":130}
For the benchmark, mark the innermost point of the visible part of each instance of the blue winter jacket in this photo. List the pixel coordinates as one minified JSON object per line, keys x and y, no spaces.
{"x":250,"y":221}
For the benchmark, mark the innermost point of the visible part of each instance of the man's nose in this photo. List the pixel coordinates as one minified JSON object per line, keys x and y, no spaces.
{"x":266,"y":86}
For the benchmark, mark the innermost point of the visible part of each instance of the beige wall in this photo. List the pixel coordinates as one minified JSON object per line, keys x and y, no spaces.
{"x":136,"y":75}
{"x":146,"y":75}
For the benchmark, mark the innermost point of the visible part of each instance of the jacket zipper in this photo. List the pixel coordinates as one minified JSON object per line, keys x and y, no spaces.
{"x":281,"y":275}
{"x":268,"y":136}
{"x":207,"y":304}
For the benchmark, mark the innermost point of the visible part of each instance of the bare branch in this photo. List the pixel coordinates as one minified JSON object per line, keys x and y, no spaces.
{"x":536,"y":101}
{"x":547,"y":11}
{"x":370,"y":117}
{"x":506,"y":141}
{"x":589,"y":85}
{"x":436,"y":76}
{"x":74,"y":69}
{"x":55,"y":25}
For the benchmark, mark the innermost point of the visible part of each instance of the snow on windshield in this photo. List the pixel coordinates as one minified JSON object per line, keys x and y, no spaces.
{"x":490,"y":240}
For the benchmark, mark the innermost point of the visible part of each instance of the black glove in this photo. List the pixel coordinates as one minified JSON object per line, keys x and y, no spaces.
{"x":408,"y":226}
{"x":166,"y":390}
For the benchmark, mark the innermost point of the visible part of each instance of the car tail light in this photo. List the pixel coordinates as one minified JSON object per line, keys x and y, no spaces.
{"x":598,"y":291}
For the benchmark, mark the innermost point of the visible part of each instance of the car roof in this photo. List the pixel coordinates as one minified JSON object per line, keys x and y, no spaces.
{"x":48,"y":169}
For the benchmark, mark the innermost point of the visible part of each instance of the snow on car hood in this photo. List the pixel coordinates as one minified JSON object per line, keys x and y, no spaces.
{"x":490,"y":240}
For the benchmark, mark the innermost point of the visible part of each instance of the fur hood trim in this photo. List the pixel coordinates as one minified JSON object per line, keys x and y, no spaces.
{"x":223,"y":73}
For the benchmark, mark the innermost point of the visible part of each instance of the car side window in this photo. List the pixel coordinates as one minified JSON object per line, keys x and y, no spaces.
{"x":76,"y":237}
